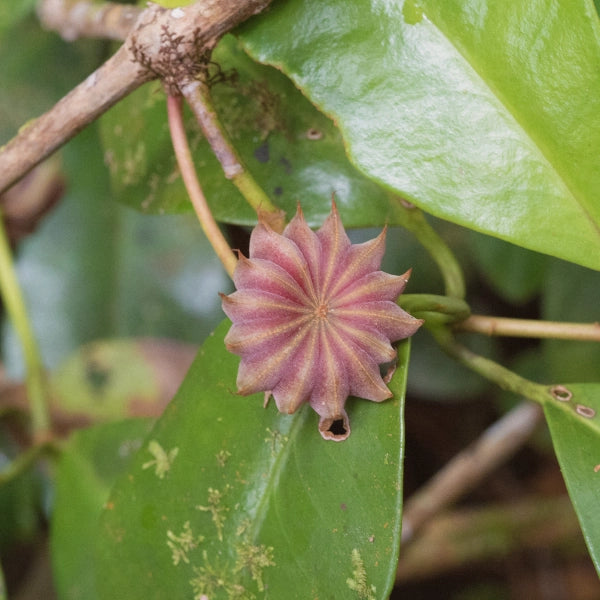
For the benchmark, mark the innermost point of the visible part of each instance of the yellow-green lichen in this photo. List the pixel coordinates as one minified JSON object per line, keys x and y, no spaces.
{"x":358,"y":581}
{"x":162,"y":461}
{"x":183,"y":543}
{"x":254,"y":559}
{"x":216,"y":509}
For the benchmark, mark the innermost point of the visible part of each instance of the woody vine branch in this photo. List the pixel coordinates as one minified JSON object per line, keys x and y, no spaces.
{"x":198,"y":27}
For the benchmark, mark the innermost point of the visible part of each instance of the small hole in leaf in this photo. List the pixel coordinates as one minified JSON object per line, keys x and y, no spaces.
{"x":561,"y":393}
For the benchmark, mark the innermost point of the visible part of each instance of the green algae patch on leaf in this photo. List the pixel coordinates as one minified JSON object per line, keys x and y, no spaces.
{"x":292,"y":150}
{"x":91,"y":461}
{"x":250,"y":495}
{"x":486,"y":114}
{"x":574,"y":420}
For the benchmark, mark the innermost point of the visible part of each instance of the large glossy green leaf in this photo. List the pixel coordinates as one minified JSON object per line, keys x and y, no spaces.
{"x":575,"y":430}
{"x":229,"y":499}
{"x":91,"y":461}
{"x":483,"y":113}
{"x":293,"y":151}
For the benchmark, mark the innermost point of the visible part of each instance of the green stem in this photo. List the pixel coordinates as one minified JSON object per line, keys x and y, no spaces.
{"x":197,"y":95}
{"x":15,"y":307}
{"x":489,"y":369}
{"x":414,"y":220}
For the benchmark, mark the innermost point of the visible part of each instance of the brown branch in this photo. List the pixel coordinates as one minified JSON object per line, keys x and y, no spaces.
{"x":82,"y":18}
{"x":164,"y":44}
{"x":468,"y":468}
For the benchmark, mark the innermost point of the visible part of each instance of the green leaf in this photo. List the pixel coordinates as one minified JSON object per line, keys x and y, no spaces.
{"x":576,"y":437}
{"x":483,"y":113}
{"x":113,"y":379}
{"x":515,"y":274}
{"x":294,"y":152}
{"x":91,"y":461}
{"x":228,"y":499}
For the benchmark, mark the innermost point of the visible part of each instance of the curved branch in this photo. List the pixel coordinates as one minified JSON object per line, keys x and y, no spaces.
{"x":163,"y":44}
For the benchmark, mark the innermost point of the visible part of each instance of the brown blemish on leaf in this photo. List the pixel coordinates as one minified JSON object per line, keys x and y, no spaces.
{"x":314,"y":134}
{"x":561,"y":393}
{"x":585,"y":411}
{"x":596,"y":468}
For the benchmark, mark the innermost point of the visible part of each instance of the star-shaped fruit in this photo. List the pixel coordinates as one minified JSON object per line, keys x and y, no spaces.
{"x":313,"y":319}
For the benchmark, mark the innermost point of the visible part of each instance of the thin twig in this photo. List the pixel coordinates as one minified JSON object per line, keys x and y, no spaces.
{"x":475,"y":535}
{"x":530,"y":328}
{"x":188,"y":173}
{"x":497,"y":444}
{"x":197,"y":95}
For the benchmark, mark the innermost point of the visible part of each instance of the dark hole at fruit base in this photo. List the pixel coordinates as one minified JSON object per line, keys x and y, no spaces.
{"x":337,"y":427}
